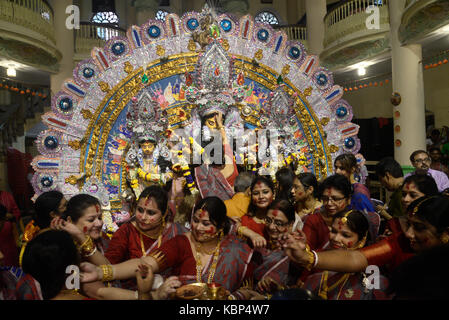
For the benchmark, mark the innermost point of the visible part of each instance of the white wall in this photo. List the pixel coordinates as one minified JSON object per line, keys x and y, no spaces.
{"x":375,"y":102}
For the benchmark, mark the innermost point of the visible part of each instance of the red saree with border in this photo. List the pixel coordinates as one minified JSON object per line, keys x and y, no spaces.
{"x":232,"y":264}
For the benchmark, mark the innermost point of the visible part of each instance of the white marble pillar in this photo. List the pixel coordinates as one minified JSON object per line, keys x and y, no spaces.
{"x":316,"y":11}
{"x":64,"y":43}
{"x":407,"y":69}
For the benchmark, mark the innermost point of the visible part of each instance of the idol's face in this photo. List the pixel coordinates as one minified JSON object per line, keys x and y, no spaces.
{"x":147,"y":147}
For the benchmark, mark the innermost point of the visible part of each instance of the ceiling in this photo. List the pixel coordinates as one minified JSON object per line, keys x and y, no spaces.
{"x":380,"y":67}
{"x":25,"y":74}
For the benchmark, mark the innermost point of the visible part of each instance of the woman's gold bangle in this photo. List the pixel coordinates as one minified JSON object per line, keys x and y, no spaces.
{"x":240,"y":231}
{"x":88,"y":247}
{"x":108,"y":273}
{"x":311,"y":258}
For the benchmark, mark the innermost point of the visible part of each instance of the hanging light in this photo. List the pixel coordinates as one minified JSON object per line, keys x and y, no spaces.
{"x":11,"y":72}
{"x":361,"y":71}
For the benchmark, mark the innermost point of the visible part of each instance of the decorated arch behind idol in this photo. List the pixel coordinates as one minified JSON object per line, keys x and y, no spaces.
{"x":167,"y":75}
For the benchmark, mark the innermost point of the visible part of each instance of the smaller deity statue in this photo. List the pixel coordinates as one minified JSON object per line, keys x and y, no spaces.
{"x":148,"y":158}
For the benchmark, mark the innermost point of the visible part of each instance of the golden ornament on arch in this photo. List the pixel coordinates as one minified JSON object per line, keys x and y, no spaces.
{"x":307,"y":92}
{"x":285,"y":70}
{"x":160,"y":50}
{"x":87,"y":114}
{"x":128,"y":68}
{"x":258,"y":55}
{"x":75,"y":144}
{"x":324,"y":121}
{"x":104,"y":86}
{"x":72,"y":180}
{"x":225,"y":44}
{"x":333,"y":148}
{"x":192,"y":45}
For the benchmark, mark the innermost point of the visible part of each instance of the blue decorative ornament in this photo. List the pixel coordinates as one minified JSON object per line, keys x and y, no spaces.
{"x":349,"y":143}
{"x":226,"y":25}
{"x":341,"y":112}
{"x":192,"y":24}
{"x":118,"y":48}
{"x":51,"y":142}
{"x":154,"y":31}
{"x":294,"y":53}
{"x":65,"y":104}
{"x":88,"y":72}
{"x":321,"y":79}
{"x":262,"y":35}
{"x":47,"y":182}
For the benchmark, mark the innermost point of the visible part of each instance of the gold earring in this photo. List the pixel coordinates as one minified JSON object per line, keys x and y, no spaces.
{"x":444,"y":238}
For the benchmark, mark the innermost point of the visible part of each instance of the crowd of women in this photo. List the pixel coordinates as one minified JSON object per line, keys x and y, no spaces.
{"x":296,"y":238}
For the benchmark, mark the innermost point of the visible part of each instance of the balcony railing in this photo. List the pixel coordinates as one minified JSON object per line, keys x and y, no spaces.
{"x":36,"y":15}
{"x":350,"y":18}
{"x":91,"y":35}
{"x":294,"y":32}
{"x":351,"y":8}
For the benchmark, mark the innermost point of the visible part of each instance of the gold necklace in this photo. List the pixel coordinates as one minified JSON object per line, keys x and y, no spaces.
{"x":159,"y":237}
{"x":71,"y":292}
{"x":199,"y":265}
{"x":324,"y":289}
{"x":258,"y":220}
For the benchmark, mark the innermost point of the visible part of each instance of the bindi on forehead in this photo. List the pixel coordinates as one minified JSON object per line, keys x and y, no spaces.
{"x":203,"y":214}
{"x":275,"y":213}
{"x":409,"y":185}
{"x":149,"y":203}
{"x":340,"y":225}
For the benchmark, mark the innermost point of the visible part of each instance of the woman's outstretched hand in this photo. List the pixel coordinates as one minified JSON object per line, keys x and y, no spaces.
{"x":145,"y":279}
{"x":167,"y":288}
{"x":294,"y":245}
{"x":268,"y":285}
{"x":218,"y":120}
{"x":90,"y":272}
{"x":258,"y":241}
